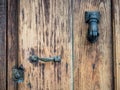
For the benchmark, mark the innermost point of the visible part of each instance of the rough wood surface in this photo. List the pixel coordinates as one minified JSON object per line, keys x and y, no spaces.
{"x":92,"y":62}
{"x":12,"y":42}
{"x":116,"y":41}
{"x":2,"y":44}
{"x":44,"y":30}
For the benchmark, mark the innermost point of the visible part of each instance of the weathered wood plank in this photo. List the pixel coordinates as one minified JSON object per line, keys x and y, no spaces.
{"x":92,"y":62}
{"x":12,"y":41}
{"x":44,"y":30}
{"x":2,"y":44}
{"x":116,"y":41}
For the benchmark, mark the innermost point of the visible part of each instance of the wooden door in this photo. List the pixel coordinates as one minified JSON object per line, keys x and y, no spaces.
{"x":44,"y":30}
{"x":92,"y":62}
{"x":48,"y":28}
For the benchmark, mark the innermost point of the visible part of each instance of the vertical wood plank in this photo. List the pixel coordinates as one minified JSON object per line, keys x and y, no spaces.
{"x":92,"y":62}
{"x":12,"y":41}
{"x":116,"y":41}
{"x":2,"y":44}
{"x":44,"y":30}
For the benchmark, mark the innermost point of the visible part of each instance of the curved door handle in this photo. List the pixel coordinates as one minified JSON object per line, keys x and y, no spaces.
{"x":92,"y":18}
{"x":34,"y":58}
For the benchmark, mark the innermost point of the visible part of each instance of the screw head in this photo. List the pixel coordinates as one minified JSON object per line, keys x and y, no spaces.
{"x":33,"y":58}
{"x":57,"y":58}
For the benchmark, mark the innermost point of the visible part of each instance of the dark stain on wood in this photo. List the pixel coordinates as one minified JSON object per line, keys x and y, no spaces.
{"x":22,"y":14}
{"x":54,"y":41}
{"x":62,"y":26}
{"x":59,"y":72}
{"x":47,"y":37}
{"x":28,"y":75}
{"x":78,"y":76}
{"x":39,"y":4}
{"x":55,"y":71}
{"x":62,"y":51}
{"x":43,"y":34}
{"x":32,"y":51}
{"x":46,"y":7}
{"x":93,"y":66}
{"x":23,"y":53}
{"x":29,"y":85}
{"x":55,"y":24}
{"x":43,"y":73}
{"x":66,"y":68}
{"x":51,"y":38}
{"x":37,"y":83}
{"x":36,"y":19}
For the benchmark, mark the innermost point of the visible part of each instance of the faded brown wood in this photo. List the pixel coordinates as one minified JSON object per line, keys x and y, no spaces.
{"x":12,"y":42}
{"x":92,"y":62}
{"x":44,"y":30}
{"x":116,"y":41}
{"x":2,"y":44}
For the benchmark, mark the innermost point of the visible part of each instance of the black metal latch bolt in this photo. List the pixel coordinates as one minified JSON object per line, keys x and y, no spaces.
{"x":35,"y":59}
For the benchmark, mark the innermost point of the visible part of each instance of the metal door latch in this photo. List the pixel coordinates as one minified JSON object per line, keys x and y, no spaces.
{"x":35,"y":59}
{"x":18,"y":74}
{"x":92,"y":18}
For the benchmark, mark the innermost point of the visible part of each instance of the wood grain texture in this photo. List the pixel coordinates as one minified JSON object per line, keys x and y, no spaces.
{"x":2,"y":44}
{"x":12,"y":41}
{"x":44,"y":30}
{"x":92,"y":62}
{"x":116,"y":41}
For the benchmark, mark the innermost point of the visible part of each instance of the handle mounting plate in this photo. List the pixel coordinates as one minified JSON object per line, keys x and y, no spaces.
{"x":18,"y":74}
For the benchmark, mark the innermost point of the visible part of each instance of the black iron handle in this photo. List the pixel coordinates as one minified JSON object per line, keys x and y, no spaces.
{"x":92,"y":18}
{"x":34,"y":58}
